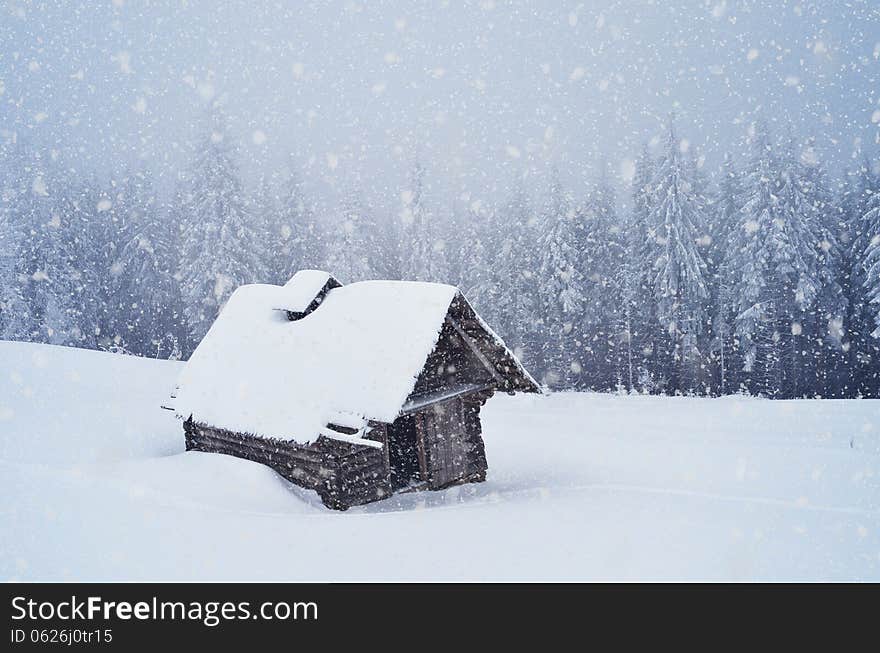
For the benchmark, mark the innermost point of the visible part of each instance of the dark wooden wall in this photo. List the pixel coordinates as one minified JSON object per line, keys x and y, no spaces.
{"x":343,"y":474}
{"x":453,"y":445}
{"x":448,"y":439}
{"x":362,"y":473}
{"x":452,"y":365}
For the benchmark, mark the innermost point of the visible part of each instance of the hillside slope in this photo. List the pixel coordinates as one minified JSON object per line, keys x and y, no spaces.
{"x":95,"y":485}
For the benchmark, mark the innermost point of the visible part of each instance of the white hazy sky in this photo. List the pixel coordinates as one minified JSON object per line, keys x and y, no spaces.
{"x":351,"y":92}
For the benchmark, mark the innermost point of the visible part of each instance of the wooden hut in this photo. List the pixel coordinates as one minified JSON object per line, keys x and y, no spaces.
{"x":355,"y":391}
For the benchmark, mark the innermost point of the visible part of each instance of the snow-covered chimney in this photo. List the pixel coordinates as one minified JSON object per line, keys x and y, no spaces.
{"x":304,"y":293}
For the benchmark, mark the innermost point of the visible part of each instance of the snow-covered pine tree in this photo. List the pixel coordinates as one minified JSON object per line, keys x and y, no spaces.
{"x":704,"y":199}
{"x":725,"y":212}
{"x":294,"y":239}
{"x":452,"y":238}
{"x":14,"y":311}
{"x":351,"y":237}
{"x":870,"y":223}
{"x":824,"y":355}
{"x":640,"y":332}
{"x":263,"y":205}
{"x":676,"y":269}
{"x":11,"y":300}
{"x":39,"y":265}
{"x":778,"y":265}
{"x":423,"y":249}
{"x":219,"y":240}
{"x":601,"y":252}
{"x":862,"y":188}
{"x":111,"y":215}
{"x":389,"y":246}
{"x":754,"y":291}
{"x":84,"y":277}
{"x":560,"y":289}
{"x":511,"y":281}
{"x":464,"y":254}
{"x":149,"y":293}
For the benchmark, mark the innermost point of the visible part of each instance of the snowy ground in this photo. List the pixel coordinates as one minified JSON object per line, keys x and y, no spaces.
{"x":94,"y":485}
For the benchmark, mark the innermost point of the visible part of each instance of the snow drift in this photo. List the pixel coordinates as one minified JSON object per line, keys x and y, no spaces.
{"x":95,"y":485}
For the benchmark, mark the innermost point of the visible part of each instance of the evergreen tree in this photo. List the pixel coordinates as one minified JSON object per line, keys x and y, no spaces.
{"x":465,"y":252}
{"x":219,"y":237}
{"x":676,"y":269}
{"x":599,"y":241}
{"x":38,"y":264}
{"x":779,"y":263}
{"x":389,"y":247}
{"x":293,"y":236}
{"x":642,"y":344}
{"x":14,"y":311}
{"x":109,"y":223}
{"x":85,"y":274}
{"x":264,"y":207}
{"x":149,"y":294}
{"x":870,"y":223}
{"x":511,"y":284}
{"x":423,"y":250}
{"x":352,"y":241}
{"x":825,"y":354}
{"x":863,"y":350}
{"x":726,"y":212}
{"x":560,"y":288}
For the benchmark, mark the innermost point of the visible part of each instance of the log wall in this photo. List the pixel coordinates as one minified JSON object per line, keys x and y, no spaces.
{"x":342,"y":474}
{"x":453,"y":446}
{"x":450,"y":450}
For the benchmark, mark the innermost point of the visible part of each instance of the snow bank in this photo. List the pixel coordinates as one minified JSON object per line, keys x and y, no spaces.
{"x":65,"y":405}
{"x":359,"y":352}
{"x":94,"y":485}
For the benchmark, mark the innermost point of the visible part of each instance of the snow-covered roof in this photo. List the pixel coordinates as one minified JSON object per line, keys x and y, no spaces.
{"x":298,"y":293}
{"x":355,"y":357}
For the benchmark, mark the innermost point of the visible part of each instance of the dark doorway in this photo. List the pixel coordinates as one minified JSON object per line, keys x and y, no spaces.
{"x":403,"y":453}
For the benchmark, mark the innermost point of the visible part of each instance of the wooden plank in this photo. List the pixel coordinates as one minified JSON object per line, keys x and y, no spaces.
{"x":461,"y":436}
{"x":420,"y":447}
{"x":271,"y":447}
{"x":380,"y":432}
{"x":437,"y":443}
